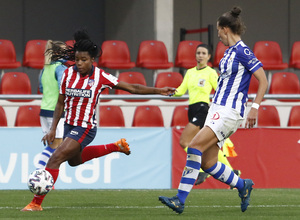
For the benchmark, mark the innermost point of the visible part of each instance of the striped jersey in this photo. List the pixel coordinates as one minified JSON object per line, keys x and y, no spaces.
{"x":82,"y":94}
{"x":236,"y":68}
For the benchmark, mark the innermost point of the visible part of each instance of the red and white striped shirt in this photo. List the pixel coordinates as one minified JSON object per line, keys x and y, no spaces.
{"x":82,"y":94}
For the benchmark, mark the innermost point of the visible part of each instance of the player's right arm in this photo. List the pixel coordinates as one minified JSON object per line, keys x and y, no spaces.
{"x":59,"y":109}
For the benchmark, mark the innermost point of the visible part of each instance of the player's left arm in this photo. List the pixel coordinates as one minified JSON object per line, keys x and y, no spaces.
{"x":141,"y":89}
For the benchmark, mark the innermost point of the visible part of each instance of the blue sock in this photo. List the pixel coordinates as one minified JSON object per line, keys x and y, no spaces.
{"x":190,"y":173}
{"x":44,"y":157}
{"x":226,"y":175}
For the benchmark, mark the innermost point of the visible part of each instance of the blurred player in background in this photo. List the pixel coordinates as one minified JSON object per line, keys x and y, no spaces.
{"x":49,"y":85}
{"x":80,"y":89}
{"x":199,"y":81}
{"x":225,"y":114}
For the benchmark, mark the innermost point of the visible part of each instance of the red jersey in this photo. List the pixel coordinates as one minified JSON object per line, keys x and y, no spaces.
{"x":82,"y":94}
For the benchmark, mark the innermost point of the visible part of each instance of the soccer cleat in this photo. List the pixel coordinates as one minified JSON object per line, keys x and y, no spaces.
{"x":172,"y":203}
{"x":123,"y":146}
{"x":201,"y":178}
{"x":32,"y":207}
{"x":244,"y":194}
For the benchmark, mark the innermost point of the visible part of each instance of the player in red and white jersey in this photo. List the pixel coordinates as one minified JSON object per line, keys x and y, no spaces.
{"x":80,"y":88}
{"x":82,"y":94}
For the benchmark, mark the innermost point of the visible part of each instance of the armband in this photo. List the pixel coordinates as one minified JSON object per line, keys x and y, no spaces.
{"x":255,"y":105}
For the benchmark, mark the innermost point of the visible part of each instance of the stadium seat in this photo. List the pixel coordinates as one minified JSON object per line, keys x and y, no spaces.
{"x":219,"y":53}
{"x":3,"y":119}
{"x":147,"y":116}
{"x":111,"y":116}
{"x":115,"y":55}
{"x":295,"y":56}
{"x":34,"y":54}
{"x":185,"y":55}
{"x":269,"y":53}
{"x":268,"y":116}
{"x":8,"y":55}
{"x":131,"y":77}
{"x":28,"y":116}
{"x":15,"y":83}
{"x":153,"y":54}
{"x":180,"y":116}
{"x":169,"y":79}
{"x":285,"y":83}
{"x":294,"y":118}
{"x":70,"y":42}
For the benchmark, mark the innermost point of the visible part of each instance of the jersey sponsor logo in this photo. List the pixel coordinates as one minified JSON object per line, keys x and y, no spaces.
{"x":253,"y":61}
{"x":83,"y":93}
{"x":201,"y":82}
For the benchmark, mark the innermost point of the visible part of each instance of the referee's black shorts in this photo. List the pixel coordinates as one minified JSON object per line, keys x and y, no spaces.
{"x":197,"y":113}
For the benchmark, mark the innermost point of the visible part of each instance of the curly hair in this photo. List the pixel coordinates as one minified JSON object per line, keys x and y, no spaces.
{"x":82,"y":43}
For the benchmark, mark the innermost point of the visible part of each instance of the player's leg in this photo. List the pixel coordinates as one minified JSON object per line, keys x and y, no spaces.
{"x":48,"y":151}
{"x":188,"y":134}
{"x":201,"y":142}
{"x":223,"y":159}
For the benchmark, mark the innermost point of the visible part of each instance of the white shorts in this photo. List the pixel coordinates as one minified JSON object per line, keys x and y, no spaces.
{"x":46,"y":124}
{"x":223,"y":121}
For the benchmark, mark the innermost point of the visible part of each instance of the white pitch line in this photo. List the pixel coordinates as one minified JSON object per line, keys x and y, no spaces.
{"x":157,"y":207}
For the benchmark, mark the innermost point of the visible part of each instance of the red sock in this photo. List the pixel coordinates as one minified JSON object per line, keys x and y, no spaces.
{"x":39,"y":199}
{"x":96,"y":151}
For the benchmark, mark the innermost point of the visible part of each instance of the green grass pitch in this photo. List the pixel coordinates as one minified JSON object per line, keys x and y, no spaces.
{"x":143,"y":204}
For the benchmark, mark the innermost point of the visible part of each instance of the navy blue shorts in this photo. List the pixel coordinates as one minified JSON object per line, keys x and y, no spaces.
{"x":84,"y":136}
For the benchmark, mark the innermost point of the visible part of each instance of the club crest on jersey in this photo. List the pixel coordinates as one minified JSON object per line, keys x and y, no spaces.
{"x":91,"y":82}
{"x":201,"y":83}
{"x":83,"y":93}
{"x":187,"y":171}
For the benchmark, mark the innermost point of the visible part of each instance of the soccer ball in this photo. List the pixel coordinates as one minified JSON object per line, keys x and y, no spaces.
{"x":40,"y":182}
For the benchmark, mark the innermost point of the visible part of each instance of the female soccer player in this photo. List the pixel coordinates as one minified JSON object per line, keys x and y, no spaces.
{"x":225,"y":114}
{"x":199,"y":81}
{"x":49,"y":85}
{"x":80,"y":88}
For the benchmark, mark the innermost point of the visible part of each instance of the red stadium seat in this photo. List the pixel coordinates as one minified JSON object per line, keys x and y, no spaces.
{"x":34,"y":54}
{"x":219,"y":53}
{"x":180,"y":116}
{"x":8,"y":55}
{"x":147,"y":116}
{"x":111,"y":116}
{"x":295,"y":56}
{"x":294,"y":118}
{"x":133,"y":78}
{"x":3,"y":119}
{"x":269,"y":53}
{"x":268,"y":116}
{"x":185,"y":55}
{"x":70,"y":42}
{"x":285,"y":83}
{"x":15,"y":83}
{"x":115,"y":55}
{"x":169,"y":79}
{"x":28,"y":116}
{"x":153,"y":54}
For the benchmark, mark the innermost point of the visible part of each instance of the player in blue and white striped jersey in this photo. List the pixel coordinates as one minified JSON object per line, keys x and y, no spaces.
{"x":225,"y":115}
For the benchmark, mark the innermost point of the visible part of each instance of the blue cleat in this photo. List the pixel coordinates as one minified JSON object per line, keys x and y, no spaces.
{"x":172,"y":203}
{"x":244,"y":194}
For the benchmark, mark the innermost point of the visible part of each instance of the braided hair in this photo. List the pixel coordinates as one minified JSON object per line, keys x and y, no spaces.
{"x":82,"y":43}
